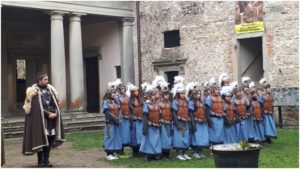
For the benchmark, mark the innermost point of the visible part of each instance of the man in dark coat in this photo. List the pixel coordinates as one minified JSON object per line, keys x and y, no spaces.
{"x":43,"y":125}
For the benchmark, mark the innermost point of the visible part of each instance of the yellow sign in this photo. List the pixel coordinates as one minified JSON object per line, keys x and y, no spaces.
{"x":249,"y":27}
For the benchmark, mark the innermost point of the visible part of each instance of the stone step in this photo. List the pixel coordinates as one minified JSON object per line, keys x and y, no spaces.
{"x":84,"y":128}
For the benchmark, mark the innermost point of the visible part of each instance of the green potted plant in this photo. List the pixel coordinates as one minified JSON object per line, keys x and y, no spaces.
{"x":242,"y":155}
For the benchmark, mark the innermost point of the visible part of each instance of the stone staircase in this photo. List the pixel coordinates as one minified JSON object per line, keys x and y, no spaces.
{"x":13,"y":127}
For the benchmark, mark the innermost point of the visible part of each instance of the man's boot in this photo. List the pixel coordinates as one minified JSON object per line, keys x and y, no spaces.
{"x":46,"y":157}
{"x":40,"y":156}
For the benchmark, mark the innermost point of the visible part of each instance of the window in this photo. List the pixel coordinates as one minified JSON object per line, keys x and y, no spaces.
{"x":172,"y":38}
{"x":21,"y":69}
{"x":118,"y":71}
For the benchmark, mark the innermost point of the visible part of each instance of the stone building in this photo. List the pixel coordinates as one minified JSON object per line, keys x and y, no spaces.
{"x":198,"y":40}
{"x":83,"y":45}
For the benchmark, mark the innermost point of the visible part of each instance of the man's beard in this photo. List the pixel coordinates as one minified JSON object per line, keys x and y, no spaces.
{"x":43,"y":86}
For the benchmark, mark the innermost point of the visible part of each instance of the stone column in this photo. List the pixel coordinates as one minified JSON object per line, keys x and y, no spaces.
{"x":58,"y":66}
{"x":76,"y":64}
{"x":127,"y":60}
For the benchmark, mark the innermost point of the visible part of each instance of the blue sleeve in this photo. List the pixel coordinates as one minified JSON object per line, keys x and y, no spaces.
{"x":224,"y":106}
{"x":191,"y":105}
{"x":145,"y":108}
{"x":208,"y":101}
{"x":174,"y":105}
{"x":105,"y":105}
{"x":117,"y":100}
{"x":261,"y":99}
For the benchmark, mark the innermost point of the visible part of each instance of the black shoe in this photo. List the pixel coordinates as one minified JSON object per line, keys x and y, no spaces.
{"x":48,"y":164}
{"x":41,"y":164}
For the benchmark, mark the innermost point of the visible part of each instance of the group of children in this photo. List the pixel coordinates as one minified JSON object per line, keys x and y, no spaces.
{"x":185,"y":117}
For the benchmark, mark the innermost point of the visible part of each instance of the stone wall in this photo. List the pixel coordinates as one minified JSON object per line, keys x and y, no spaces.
{"x":209,"y":43}
{"x":208,"y":39}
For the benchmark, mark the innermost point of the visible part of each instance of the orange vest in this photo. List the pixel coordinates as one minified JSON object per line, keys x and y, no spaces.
{"x":229,"y":113}
{"x":257,"y":111}
{"x":125,"y":106}
{"x":114,"y":109}
{"x":182,"y":109}
{"x":165,"y":110}
{"x":241,"y":108}
{"x":137,"y":108}
{"x":200,"y":113}
{"x":216,"y":104}
{"x":154,"y":113}
{"x":268,"y":103}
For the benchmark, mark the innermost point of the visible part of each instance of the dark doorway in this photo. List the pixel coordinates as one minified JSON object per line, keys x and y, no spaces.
{"x":250,"y":60}
{"x":92,"y":84}
{"x":170,"y":77}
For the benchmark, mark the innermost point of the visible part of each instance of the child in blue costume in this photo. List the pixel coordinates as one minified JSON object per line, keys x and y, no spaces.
{"x":136,"y":112}
{"x":215,"y":103}
{"x":257,"y":117}
{"x":112,"y":136}
{"x":267,"y":103}
{"x":199,"y":115}
{"x":123,"y":100}
{"x":166,"y":124}
{"x":151,"y":140}
{"x":230,"y":119}
{"x":245,"y":94}
{"x":241,"y":105}
{"x":180,"y":121}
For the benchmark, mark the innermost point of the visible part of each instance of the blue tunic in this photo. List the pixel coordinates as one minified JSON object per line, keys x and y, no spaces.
{"x":216,"y":133}
{"x":136,"y":131}
{"x":230,"y":135}
{"x":166,"y":136}
{"x":199,"y":138}
{"x":125,"y":125}
{"x":242,"y":128}
{"x":268,"y":122}
{"x":112,"y":137}
{"x":151,"y":142}
{"x":249,"y":121}
{"x":181,"y":139}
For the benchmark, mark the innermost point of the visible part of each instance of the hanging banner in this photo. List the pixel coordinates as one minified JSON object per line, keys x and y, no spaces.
{"x":249,"y":17}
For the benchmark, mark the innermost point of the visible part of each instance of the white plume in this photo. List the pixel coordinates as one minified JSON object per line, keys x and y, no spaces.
{"x":164,"y":85}
{"x":130,"y":87}
{"x":190,"y":86}
{"x":178,"y":79}
{"x":157,"y":80}
{"x":226,"y":90}
{"x":111,"y":85}
{"x":223,"y":77}
{"x":262,"y":81}
{"x":212,"y":81}
{"x":177,"y":88}
{"x":144,"y":85}
{"x":150,"y":88}
{"x":246,"y":79}
{"x":117,"y":82}
{"x":233,"y":84}
{"x":252,"y":84}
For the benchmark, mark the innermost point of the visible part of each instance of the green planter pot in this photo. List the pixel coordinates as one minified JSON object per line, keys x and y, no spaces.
{"x":227,"y":156}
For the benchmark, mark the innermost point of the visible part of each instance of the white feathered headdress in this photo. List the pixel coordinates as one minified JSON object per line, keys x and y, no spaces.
{"x":226,"y":90}
{"x":157,"y":80}
{"x":178,"y":88}
{"x":178,"y":79}
{"x":262,"y":81}
{"x":234,"y":84}
{"x":212,"y":82}
{"x":117,"y":82}
{"x":246,"y":79}
{"x":251,"y":85}
{"x":190,"y":86}
{"x":144,"y":85}
{"x":150,"y":88}
{"x":164,"y":85}
{"x":130,"y":87}
{"x":206,"y":85}
{"x":223,"y":77}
